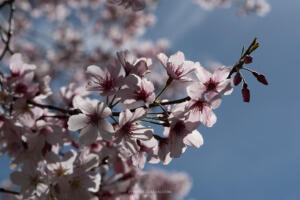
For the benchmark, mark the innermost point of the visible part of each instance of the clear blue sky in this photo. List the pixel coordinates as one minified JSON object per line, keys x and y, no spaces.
{"x":253,"y":151}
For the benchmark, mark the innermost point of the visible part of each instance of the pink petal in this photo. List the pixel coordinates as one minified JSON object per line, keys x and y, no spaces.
{"x":202,"y":74}
{"x":221,"y":74}
{"x":176,"y":145}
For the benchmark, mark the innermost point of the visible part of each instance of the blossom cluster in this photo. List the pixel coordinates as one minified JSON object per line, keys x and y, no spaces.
{"x":258,"y":7}
{"x":113,"y":132}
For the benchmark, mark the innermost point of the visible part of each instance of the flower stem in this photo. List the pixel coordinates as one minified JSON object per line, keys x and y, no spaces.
{"x":164,"y":89}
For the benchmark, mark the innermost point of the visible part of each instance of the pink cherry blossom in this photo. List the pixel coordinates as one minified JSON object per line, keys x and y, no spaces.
{"x":215,"y":83}
{"x":130,"y":131}
{"x":177,"y":67}
{"x":138,"y":92}
{"x":181,"y":132}
{"x":132,"y":65}
{"x":201,"y":108}
{"x":92,"y":121}
{"x":104,"y":80}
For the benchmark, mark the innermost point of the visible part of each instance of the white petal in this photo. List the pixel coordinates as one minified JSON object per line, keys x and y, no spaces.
{"x":103,"y":110}
{"x":95,"y":71}
{"x":88,"y":135}
{"x":195,"y":90}
{"x":221,"y":74}
{"x":177,"y":59}
{"x":76,"y":122}
{"x":163,"y":59}
{"x":106,"y":130}
{"x":138,"y":114}
{"x":194,"y":139}
{"x":85,"y":106}
{"x":124,"y":117}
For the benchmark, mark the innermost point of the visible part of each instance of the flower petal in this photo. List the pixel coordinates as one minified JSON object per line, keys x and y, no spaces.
{"x":76,"y":122}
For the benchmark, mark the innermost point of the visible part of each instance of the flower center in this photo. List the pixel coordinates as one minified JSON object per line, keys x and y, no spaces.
{"x":21,"y":88}
{"x":142,"y":94}
{"x":211,"y":85}
{"x":126,"y":129}
{"x":94,"y":118}
{"x":179,"y":127}
{"x":108,"y":83}
{"x":198,"y":105}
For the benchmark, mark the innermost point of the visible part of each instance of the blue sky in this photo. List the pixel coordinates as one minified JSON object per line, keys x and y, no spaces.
{"x":253,"y":151}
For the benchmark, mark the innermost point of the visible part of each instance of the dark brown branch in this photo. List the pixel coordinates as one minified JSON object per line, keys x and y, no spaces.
{"x":9,"y":191}
{"x":70,"y":112}
{"x":76,"y":111}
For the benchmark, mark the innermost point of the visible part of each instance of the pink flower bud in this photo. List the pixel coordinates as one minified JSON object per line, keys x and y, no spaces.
{"x":246,"y":93}
{"x":237,"y":79}
{"x":248,"y":59}
{"x":261,"y":78}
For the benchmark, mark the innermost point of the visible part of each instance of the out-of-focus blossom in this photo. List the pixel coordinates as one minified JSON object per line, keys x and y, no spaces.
{"x":136,"y":5}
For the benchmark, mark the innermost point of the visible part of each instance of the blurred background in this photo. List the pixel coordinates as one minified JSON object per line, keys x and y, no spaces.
{"x":253,"y":150}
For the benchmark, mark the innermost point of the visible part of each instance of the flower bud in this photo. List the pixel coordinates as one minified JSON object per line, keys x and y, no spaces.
{"x":248,"y":59}
{"x":261,"y":78}
{"x":246,"y":93}
{"x":237,"y":79}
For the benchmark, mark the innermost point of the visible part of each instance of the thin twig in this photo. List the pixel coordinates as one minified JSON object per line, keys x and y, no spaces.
{"x":9,"y":32}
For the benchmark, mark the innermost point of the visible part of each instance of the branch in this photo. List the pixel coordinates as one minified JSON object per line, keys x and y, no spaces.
{"x":9,"y":191}
{"x":70,"y":112}
{"x":9,"y":32}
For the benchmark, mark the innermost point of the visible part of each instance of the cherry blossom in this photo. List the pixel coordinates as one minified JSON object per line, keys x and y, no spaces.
{"x":106,"y":81}
{"x":215,"y":83}
{"x":130,"y":131}
{"x":201,"y":108}
{"x":177,"y":67}
{"x":138,"y":92}
{"x":92,"y":121}
{"x":181,"y":132}
{"x":132,"y":65}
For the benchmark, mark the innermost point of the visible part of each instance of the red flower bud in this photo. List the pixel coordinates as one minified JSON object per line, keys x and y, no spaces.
{"x":261,"y":78}
{"x":248,"y":59}
{"x":246,"y":93}
{"x":237,"y":79}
